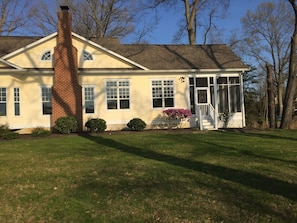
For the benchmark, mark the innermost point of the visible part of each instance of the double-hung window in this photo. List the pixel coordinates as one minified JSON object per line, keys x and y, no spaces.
{"x":89,"y":100}
{"x":163,"y":93}
{"x":2,"y":101}
{"x":118,"y":94}
{"x":16,"y":92}
{"x":46,"y":94}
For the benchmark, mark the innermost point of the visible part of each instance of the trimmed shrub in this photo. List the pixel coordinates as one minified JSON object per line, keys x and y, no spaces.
{"x":40,"y":132}
{"x":136,"y":124}
{"x":3,"y":129}
{"x":66,"y":125}
{"x":10,"y":135}
{"x":96,"y":125}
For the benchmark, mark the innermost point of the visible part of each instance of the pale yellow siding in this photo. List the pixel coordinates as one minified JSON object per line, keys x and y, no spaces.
{"x":30,"y":100}
{"x":31,"y":57}
{"x":140,"y":98}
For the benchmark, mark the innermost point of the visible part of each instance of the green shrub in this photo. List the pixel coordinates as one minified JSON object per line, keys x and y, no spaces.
{"x":3,"y":129}
{"x":66,"y":125}
{"x":10,"y":135}
{"x":96,"y":125}
{"x":136,"y":124}
{"x":40,"y":132}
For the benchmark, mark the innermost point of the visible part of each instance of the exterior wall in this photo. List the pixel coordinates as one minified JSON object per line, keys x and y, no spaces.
{"x":30,"y":100}
{"x":101,"y":58}
{"x":140,"y":99}
{"x":31,"y":57}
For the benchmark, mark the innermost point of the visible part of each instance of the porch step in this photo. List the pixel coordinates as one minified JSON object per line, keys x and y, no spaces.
{"x":207,"y":124}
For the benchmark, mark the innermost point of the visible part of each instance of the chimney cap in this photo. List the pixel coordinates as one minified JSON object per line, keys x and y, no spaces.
{"x":64,"y":7}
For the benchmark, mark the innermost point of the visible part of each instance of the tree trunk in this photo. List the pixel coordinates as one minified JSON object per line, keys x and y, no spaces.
{"x":291,"y":85}
{"x":271,"y":99}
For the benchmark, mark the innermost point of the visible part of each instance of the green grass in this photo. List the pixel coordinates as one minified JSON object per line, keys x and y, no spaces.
{"x":151,"y":177}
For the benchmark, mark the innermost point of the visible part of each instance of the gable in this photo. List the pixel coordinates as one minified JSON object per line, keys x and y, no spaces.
{"x":30,"y":56}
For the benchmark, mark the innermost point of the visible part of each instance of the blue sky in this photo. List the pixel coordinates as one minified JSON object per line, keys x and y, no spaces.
{"x":164,"y":32}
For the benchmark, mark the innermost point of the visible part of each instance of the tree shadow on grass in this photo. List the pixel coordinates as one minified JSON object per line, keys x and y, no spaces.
{"x":251,"y":180}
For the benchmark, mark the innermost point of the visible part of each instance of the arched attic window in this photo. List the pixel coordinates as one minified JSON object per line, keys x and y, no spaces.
{"x":87,"y":56}
{"x":46,"y":55}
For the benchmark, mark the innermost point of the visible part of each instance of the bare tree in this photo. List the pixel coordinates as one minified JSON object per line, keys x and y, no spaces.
{"x":206,"y":9}
{"x":266,"y":39}
{"x":14,"y":16}
{"x":91,"y":18}
{"x":291,"y":85}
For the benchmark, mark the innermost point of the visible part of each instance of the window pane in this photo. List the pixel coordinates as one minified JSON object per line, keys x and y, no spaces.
{"x":124,"y":104}
{"x":89,"y":105}
{"x":157,"y":103}
{"x":201,"y":82}
{"x":112,"y":104}
{"x":47,"y":108}
{"x":46,"y":100}
{"x":2,"y":109}
{"x":16,"y":109}
{"x":234,"y":80}
{"x":169,"y":102}
{"x":222,"y":80}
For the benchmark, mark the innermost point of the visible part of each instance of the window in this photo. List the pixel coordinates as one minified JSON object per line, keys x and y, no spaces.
{"x":87,"y":55}
{"x":89,"y":100}
{"x":46,"y":93}
{"x":16,"y":92}
{"x":46,"y":56}
{"x":2,"y":101}
{"x":118,"y":94}
{"x":163,"y":93}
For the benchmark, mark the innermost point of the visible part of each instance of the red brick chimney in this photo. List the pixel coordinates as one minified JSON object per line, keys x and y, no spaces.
{"x":66,"y":91}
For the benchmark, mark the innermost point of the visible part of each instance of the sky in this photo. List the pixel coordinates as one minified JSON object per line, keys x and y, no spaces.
{"x":164,"y":32}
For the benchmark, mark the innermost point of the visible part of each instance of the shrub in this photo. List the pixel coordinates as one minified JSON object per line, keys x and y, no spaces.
{"x":10,"y":135}
{"x":40,"y":132}
{"x":3,"y":129}
{"x":96,"y":125}
{"x":66,"y":125}
{"x":136,"y":124}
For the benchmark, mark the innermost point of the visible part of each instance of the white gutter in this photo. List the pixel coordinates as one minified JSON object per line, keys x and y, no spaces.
{"x":190,"y":71}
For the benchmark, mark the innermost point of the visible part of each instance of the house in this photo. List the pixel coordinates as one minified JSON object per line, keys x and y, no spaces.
{"x":65,"y":74}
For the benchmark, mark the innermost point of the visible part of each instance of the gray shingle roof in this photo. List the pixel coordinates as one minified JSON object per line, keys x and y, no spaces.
{"x":154,"y":57}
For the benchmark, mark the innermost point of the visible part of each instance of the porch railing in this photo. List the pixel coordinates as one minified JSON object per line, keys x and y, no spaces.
{"x":208,"y":110}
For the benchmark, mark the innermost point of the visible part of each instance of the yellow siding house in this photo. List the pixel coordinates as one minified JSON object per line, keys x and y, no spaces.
{"x":42,"y":79}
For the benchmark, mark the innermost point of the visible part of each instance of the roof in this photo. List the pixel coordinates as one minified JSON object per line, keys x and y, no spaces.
{"x":153,"y":57}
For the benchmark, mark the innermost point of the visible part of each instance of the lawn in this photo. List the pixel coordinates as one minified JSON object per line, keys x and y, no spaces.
{"x":218,"y":176}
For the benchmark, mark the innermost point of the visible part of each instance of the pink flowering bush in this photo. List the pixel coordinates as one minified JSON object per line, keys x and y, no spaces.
{"x":175,"y":115}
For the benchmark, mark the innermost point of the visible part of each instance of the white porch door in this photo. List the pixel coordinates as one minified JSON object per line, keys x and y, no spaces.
{"x":203,"y":100}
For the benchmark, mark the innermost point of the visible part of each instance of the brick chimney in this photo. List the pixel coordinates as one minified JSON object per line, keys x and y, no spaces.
{"x":66,"y":91}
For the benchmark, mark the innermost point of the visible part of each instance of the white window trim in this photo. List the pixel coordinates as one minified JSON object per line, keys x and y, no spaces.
{"x":95,"y":97}
{"x":130,"y":96}
{"x":51,"y":56}
{"x":41,"y":101}
{"x":151,"y":92}
{"x":83,"y":56}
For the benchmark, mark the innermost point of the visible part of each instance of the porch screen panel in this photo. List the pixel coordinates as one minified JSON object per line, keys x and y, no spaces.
{"x":235,"y":102}
{"x":192,"y":92}
{"x":223,"y":102}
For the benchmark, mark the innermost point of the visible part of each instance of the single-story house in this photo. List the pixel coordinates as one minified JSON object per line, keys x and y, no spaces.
{"x":65,"y":74}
